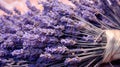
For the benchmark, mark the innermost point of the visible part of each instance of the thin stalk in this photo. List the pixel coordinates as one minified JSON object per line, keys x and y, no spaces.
{"x":56,"y":65}
{"x":86,"y":50}
{"x":91,"y":62}
{"x":96,"y":29}
{"x":103,"y":24}
{"x":88,"y":54}
{"x":98,"y":36}
{"x":87,"y":47}
{"x":86,"y":61}
{"x":91,"y":44}
{"x":111,"y":20}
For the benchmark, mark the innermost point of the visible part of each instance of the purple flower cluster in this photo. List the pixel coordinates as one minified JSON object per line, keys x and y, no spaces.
{"x":48,"y":38}
{"x":57,"y":50}
{"x":72,"y":61}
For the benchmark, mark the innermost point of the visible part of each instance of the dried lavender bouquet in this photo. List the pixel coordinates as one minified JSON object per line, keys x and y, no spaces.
{"x":61,"y":35}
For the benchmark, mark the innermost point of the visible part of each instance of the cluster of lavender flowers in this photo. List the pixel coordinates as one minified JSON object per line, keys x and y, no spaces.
{"x":50,"y":37}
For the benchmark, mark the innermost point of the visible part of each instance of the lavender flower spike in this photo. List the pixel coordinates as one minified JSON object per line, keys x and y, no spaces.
{"x":5,"y":10}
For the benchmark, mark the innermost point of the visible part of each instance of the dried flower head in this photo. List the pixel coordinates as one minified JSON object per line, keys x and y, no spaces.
{"x":61,"y":35}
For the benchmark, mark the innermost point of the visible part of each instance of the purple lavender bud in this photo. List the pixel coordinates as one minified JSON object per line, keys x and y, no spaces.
{"x":89,"y":38}
{"x":48,"y":21}
{"x":5,"y":36}
{"x":30,"y":13}
{"x":3,"y":53}
{"x":65,"y":19}
{"x":72,"y":61}
{"x":32,"y":40}
{"x":43,"y":39}
{"x":30,"y":36}
{"x":17,"y":11}
{"x":11,"y":30}
{"x":59,"y":27}
{"x":5,"y":10}
{"x":61,"y":8}
{"x":28,"y":21}
{"x":17,"y":52}
{"x":8,"y":44}
{"x":20,"y":33}
{"x":57,"y":50}
{"x":29,"y":43}
{"x":29,"y":5}
{"x":35,"y":30}
{"x":37,"y":18}
{"x":70,"y":29}
{"x":87,"y":15}
{"x":58,"y":33}
{"x":46,"y":58}
{"x":29,"y":53}
{"x":1,"y":39}
{"x":27,"y":27}
{"x":53,"y":40}
{"x":17,"y":41}
{"x":21,"y":53}
{"x":47,"y":39}
{"x":68,"y":42}
{"x":47,"y":7}
{"x":47,"y":31}
{"x":52,"y":15}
